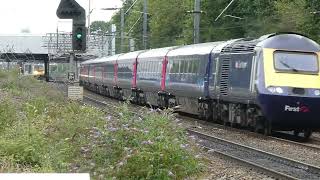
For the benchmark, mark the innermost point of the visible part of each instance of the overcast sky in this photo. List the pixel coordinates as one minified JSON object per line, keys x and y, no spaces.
{"x":39,"y":16}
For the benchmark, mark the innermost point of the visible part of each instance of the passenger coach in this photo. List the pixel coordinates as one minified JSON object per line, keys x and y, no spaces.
{"x":270,"y":83}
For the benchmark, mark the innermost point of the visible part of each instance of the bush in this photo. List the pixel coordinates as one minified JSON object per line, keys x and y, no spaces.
{"x":151,"y":147}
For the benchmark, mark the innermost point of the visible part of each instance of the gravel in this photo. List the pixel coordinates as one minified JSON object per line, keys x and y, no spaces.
{"x":219,"y":168}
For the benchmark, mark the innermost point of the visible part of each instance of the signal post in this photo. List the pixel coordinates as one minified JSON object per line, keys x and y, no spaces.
{"x":70,"y":9}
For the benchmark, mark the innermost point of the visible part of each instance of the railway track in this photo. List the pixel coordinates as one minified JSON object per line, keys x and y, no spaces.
{"x":111,"y":104}
{"x":313,"y":143}
{"x":273,"y":165}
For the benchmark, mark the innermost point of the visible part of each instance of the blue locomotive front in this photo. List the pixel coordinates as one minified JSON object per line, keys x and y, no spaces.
{"x":288,"y":83}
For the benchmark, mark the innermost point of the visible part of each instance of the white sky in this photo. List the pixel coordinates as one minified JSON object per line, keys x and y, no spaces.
{"x":40,"y":15}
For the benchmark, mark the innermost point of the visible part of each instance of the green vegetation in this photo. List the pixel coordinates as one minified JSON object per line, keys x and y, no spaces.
{"x":169,"y":23}
{"x":41,"y":131}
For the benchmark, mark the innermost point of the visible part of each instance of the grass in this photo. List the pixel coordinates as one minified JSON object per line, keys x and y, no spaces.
{"x":41,"y":131}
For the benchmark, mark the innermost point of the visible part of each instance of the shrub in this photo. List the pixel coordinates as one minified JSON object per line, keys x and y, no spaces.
{"x":151,"y":147}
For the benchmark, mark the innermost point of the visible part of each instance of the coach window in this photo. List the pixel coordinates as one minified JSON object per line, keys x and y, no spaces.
{"x":148,"y":69}
{"x":213,"y":70}
{"x":174,"y":69}
{"x":155,"y":72}
{"x":91,"y":70}
{"x":189,"y":65}
{"x":122,"y":71}
{"x":119,"y":70}
{"x":182,"y":66}
{"x":140,"y":70}
{"x":110,"y":73}
{"x":181,"y":69}
{"x":106,"y":71}
{"x":145,"y":70}
{"x":129,"y":69}
{"x":97,"y":71}
{"x":152,"y":70}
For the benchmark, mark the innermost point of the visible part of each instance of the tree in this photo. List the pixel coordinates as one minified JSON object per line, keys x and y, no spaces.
{"x":100,"y":26}
{"x":170,"y":25}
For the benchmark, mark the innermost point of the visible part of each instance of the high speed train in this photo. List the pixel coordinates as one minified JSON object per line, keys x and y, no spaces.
{"x":269,"y":83}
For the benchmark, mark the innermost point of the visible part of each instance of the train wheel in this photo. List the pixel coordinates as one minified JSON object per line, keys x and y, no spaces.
{"x":307,"y":133}
{"x":296,"y":133}
{"x":267,"y":128}
{"x":257,"y":125}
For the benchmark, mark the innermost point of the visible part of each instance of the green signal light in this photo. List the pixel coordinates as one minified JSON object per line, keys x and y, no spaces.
{"x":79,"y":36}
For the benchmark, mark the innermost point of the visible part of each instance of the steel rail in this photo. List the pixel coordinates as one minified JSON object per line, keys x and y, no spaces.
{"x":271,"y":164}
{"x":312,"y":146}
{"x":105,"y":104}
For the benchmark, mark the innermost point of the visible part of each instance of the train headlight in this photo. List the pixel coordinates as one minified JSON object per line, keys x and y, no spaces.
{"x":273,"y":90}
{"x":279,"y":90}
{"x":317,"y":92}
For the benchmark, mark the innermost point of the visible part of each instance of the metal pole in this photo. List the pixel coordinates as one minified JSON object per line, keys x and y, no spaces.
{"x":57,"y":38}
{"x":122,"y":30}
{"x":131,"y":45}
{"x":145,"y":24}
{"x":46,"y":68}
{"x":196,"y":32}
{"x":89,"y":25}
{"x":72,"y":63}
{"x":113,"y":41}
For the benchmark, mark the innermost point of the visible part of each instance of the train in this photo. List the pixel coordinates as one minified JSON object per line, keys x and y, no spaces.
{"x":34,"y":69}
{"x":266,"y":84}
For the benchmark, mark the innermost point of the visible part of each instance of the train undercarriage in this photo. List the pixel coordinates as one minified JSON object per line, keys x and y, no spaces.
{"x":242,"y":116}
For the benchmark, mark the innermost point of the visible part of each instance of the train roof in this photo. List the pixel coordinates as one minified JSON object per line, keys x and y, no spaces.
{"x":195,"y":49}
{"x":284,"y":40}
{"x":289,"y":41}
{"x":102,"y":59}
{"x":153,"y":53}
{"x":92,"y":61}
{"x":130,"y":55}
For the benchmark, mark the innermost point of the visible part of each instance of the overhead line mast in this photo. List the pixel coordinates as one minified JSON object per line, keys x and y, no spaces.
{"x":196,"y":23}
{"x":197,"y":12}
{"x":145,"y":24}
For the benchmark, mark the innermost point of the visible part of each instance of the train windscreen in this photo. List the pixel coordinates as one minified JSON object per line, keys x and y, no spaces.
{"x":296,"y":62}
